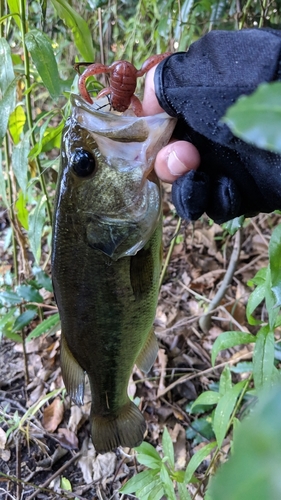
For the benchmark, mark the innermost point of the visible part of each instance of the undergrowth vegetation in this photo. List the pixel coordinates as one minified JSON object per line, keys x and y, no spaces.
{"x":40,"y":42}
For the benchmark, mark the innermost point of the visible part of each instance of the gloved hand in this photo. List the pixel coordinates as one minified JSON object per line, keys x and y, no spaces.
{"x":234,"y":178}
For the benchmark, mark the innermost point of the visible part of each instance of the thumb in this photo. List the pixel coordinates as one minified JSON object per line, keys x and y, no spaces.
{"x":175,"y":160}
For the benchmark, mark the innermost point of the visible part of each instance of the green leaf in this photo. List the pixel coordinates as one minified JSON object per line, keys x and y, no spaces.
{"x":253,"y":471}
{"x":225,"y":381}
{"x":196,"y":460}
{"x":46,"y":138}
{"x":147,"y":449}
{"x":275,"y":262}
{"x":7,"y":105}
{"x":42,"y":279}
{"x":79,"y":27}
{"x":20,"y":162}
{"x":230,"y":339}
{"x":259,"y":278}
{"x":24,"y":319}
{"x":3,"y":183}
{"x":270,"y":302}
{"x":257,"y":118}
{"x":65,"y":484}
{"x":255,"y":298}
{"x":149,"y":461}
{"x":29,"y":293}
{"x":7,"y":86}
{"x":7,"y":74}
{"x":263,"y":357}
{"x":156,"y":493}
{"x":167,"y":483}
{"x":183,"y":493}
{"x":36,"y":222}
{"x":40,"y":48}
{"x":46,"y":325}
{"x":14,"y":7}
{"x":168,"y":448}
{"x":16,"y":123}
{"x":9,"y":334}
{"x":233,"y":225}
{"x":224,"y":410}
{"x":4,"y":319}
{"x":36,"y":406}
{"x":139,"y":481}
{"x":9,"y":298}
{"x":200,"y":431}
{"x":206,"y":398}
{"x":22,"y":212}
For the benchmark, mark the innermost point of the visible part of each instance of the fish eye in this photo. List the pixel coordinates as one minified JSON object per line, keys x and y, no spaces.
{"x":83,"y":162}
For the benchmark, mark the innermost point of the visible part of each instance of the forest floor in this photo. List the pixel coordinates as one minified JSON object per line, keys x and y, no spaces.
{"x":48,"y":445}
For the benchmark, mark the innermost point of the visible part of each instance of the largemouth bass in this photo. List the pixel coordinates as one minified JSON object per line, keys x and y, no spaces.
{"x":106,"y":260}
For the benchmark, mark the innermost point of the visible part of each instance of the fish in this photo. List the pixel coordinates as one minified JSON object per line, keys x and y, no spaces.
{"x":106,"y":261}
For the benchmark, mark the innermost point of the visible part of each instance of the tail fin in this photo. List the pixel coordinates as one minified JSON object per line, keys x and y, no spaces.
{"x":123,"y":429}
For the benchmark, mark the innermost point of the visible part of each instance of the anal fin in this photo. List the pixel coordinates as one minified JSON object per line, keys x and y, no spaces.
{"x":72,"y":373}
{"x":148,"y":353}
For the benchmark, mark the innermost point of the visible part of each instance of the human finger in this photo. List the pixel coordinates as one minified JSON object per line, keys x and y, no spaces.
{"x":176,"y":159}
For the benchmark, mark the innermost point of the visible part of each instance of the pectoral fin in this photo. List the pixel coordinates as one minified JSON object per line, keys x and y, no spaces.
{"x":72,"y":373}
{"x":149,"y":353}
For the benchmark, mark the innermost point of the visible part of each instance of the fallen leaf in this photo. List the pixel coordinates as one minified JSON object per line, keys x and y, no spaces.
{"x":132,"y":388}
{"x":67,"y":439}
{"x":5,"y":455}
{"x":162,"y":358}
{"x":179,"y":439}
{"x":53,"y":415}
{"x":85,"y":462}
{"x":3,"y":439}
{"x":104,"y":466}
{"x":76,"y":419}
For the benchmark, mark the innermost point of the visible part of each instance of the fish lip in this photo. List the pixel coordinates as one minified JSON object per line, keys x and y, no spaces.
{"x":78,"y":101}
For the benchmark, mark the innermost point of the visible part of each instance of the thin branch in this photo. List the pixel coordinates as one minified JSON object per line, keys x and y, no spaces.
{"x":205,"y":320}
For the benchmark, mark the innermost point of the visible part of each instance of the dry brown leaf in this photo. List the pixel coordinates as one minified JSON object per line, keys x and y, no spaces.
{"x":3,"y":439}
{"x":67,"y":439}
{"x":104,"y":466}
{"x":53,"y":415}
{"x":162,"y":358}
{"x":86,"y":460}
{"x":179,"y":440}
{"x":131,"y":388}
{"x":5,"y":455}
{"x":35,"y":395}
{"x":76,"y":419}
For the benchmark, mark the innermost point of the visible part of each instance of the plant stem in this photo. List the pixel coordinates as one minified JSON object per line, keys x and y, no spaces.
{"x":169,"y":254}
{"x":29,"y":107}
{"x":2,"y":10}
{"x":245,"y":12}
{"x":11,"y":213}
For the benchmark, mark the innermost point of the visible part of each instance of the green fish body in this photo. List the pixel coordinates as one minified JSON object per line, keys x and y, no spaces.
{"x":106,"y":260}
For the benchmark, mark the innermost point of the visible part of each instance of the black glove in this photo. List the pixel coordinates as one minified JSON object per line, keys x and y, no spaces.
{"x":197,"y":87}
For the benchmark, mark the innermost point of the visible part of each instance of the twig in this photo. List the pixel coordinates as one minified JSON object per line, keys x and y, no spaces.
{"x":169,"y":254}
{"x":205,"y":320}
{"x":184,"y":378}
{"x":18,"y":466}
{"x":254,"y":224}
{"x":57,"y":473}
